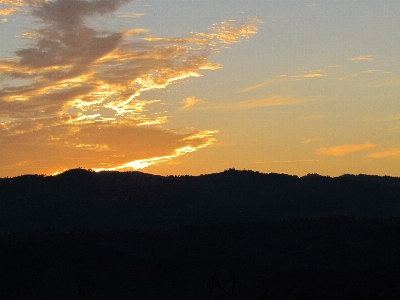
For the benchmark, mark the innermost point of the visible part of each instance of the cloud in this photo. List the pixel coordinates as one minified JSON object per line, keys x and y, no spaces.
{"x":73,"y":93}
{"x":228,"y":32}
{"x":390,"y":153}
{"x":268,"y":82}
{"x":193,"y":142}
{"x":343,"y":150}
{"x":311,"y":140}
{"x":191,"y":101}
{"x":352,"y":75}
{"x":254,"y":103}
{"x":314,"y":75}
{"x":51,"y":147}
{"x":131,"y":15}
{"x":8,"y":11}
{"x":269,"y":101}
{"x":361,"y":58}
{"x":10,"y":7}
{"x":311,"y":74}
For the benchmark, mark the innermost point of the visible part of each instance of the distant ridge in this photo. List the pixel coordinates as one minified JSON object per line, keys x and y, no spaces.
{"x":80,"y":198}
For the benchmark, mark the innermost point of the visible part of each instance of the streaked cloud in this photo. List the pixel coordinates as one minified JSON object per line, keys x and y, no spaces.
{"x":343,"y":150}
{"x":364,"y":57}
{"x":270,"y":101}
{"x":196,"y":141}
{"x":268,"y":82}
{"x":253,"y":103}
{"x":361,"y":73}
{"x":131,"y":15}
{"x":314,"y":75}
{"x":73,"y":92}
{"x":390,"y":153}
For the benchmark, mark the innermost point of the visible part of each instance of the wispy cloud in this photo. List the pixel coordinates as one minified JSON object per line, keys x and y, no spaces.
{"x":254,"y":103}
{"x":364,"y":57}
{"x":268,"y":82}
{"x":314,"y":75}
{"x":343,"y":150}
{"x":270,"y":101}
{"x":311,"y":140}
{"x":352,"y":75}
{"x":131,"y":15}
{"x":390,"y":153}
{"x":72,"y":79}
{"x":191,"y":101}
{"x":193,"y":143}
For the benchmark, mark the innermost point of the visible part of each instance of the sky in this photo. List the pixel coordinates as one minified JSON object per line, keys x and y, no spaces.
{"x":177,"y":87}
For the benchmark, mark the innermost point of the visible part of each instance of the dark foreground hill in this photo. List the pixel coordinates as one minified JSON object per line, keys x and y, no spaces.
{"x":231,"y":235}
{"x":133,"y":200}
{"x":329,"y":258}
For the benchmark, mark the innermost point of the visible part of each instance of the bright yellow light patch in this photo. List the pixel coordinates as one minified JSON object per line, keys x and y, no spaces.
{"x":200,"y":140}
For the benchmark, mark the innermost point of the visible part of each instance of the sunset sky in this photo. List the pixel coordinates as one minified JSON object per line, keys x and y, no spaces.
{"x":196,"y":87}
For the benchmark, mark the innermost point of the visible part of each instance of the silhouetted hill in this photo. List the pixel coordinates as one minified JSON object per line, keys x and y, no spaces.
{"x":229,"y":235}
{"x":81,"y":198}
{"x":329,"y":258}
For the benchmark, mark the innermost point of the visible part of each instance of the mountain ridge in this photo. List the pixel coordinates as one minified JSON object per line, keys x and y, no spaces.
{"x":80,"y":198}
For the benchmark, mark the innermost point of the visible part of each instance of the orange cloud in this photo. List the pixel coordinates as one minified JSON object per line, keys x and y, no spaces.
{"x":79,"y":102}
{"x":228,"y":32}
{"x":343,"y":150}
{"x":311,"y":140}
{"x":391,"y":153}
{"x":314,"y":75}
{"x":194,"y":142}
{"x":8,"y":11}
{"x":270,"y":101}
{"x":47,"y":144}
{"x":191,"y":101}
